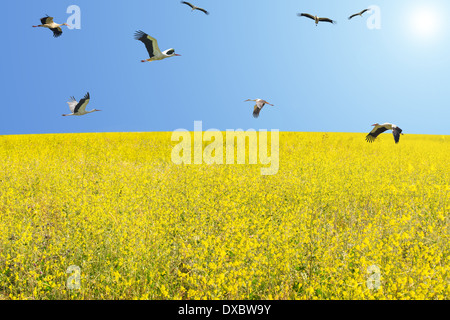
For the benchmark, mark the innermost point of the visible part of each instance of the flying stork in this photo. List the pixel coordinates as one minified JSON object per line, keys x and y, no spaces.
{"x":79,"y":108}
{"x":316,"y":18}
{"x":152,"y":47}
{"x":358,"y":14}
{"x":47,"y":22}
{"x":380,"y":128}
{"x":258,"y":107}
{"x":194,"y":7}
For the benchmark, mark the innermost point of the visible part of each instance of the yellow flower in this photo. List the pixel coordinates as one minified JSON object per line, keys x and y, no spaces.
{"x":140,"y":227}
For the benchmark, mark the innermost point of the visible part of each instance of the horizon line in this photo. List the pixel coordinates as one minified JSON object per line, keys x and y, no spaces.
{"x":223,"y":131}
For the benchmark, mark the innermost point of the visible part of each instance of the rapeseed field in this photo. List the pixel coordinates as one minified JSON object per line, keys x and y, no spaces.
{"x":109,"y":216}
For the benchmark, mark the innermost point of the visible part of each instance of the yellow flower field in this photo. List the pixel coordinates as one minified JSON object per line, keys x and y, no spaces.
{"x":342,"y":219}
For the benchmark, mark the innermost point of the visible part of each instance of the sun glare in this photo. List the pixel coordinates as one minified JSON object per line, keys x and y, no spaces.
{"x":425,"y":22}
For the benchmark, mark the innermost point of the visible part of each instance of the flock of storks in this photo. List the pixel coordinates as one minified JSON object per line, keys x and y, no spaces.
{"x":78,"y":108}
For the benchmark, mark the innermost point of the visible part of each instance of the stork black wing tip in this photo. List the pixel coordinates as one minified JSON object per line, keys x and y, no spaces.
{"x":139,"y":34}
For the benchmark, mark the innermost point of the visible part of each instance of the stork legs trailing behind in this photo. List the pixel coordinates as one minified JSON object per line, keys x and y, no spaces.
{"x":316,"y":18}
{"x":194,"y":7}
{"x":380,"y":128}
{"x":79,"y":108}
{"x":258,"y":107}
{"x":152,"y":47}
{"x":47,"y":22}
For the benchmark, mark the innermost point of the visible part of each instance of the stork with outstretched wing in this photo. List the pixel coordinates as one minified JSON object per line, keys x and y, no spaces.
{"x":316,"y":18}
{"x":195,"y":7}
{"x":358,"y":14}
{"x":151,"y":44}
{"x":79,"y":108}
{"x":258,"y":106}
{"x":380,"y":128}
{"x":47,"y":22}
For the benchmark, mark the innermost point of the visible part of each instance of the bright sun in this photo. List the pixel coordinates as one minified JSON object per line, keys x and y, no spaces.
{"x":425,"y":22}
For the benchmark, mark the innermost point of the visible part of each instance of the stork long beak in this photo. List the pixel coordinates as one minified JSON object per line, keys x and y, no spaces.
{"x":178,"y":55}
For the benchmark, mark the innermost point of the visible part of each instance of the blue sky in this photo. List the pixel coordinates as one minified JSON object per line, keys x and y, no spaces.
{"x":330,"y":78}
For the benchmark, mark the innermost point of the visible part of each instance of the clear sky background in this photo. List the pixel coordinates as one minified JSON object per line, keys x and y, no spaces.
{"x":330,"y":78}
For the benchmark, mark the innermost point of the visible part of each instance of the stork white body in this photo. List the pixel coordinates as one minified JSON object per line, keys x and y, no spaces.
{"x":380,"y":128}
{"x":79,"y":108}
{"x":260,"y":103}
{"x":358,"y":14}
{"x":152,"y":47}
{"x":47,"y":22}
{"x":195,"y":7}
{"x":316,"y":18}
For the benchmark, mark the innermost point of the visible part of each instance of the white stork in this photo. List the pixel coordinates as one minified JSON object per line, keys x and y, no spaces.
{"x":258,"y":107}
{"x":47,"y":22}
{"x":380,"y":128}
{"x":152,"y":47}
{"x":79,"y":108}
{"x":316,"y":18}
{"x":358,"y":14}
{"x":194,"y":7}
